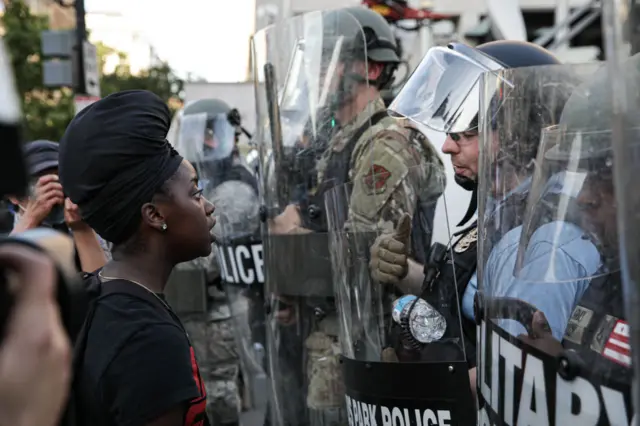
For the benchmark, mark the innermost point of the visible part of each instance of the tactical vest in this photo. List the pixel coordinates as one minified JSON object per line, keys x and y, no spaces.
{"x":458,"y":270}
{"x":465,"y":259}
{"x":337,"y":173}
{"x":598,"y":332}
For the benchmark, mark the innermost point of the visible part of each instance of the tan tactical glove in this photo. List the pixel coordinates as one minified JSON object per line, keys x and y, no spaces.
{"x":389,"y":264}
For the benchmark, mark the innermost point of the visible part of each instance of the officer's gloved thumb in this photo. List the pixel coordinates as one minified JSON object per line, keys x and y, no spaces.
{"x":402,"y":232}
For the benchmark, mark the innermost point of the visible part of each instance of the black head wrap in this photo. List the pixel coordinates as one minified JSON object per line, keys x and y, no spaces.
{"x":114,"y":157}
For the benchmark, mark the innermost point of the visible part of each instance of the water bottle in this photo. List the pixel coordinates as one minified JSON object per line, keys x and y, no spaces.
{"x":425,"y":324}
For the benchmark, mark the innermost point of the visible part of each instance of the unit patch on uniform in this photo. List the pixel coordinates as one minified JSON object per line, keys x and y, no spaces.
{"x":617,"y":347}
{"x":466,"y":241}
{"x":578,"y":323}
{"x":376,"y":180}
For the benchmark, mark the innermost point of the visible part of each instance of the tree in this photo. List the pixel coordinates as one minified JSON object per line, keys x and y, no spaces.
{"x":47,"y":112}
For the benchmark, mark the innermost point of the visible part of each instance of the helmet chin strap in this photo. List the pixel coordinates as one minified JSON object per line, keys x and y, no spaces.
{"x":469,"y":185}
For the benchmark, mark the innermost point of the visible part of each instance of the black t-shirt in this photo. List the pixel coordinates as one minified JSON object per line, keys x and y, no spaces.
{"x":138,"y":364}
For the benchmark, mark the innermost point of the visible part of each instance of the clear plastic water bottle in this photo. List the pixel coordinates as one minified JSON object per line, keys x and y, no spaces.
{"x":425,"y":323}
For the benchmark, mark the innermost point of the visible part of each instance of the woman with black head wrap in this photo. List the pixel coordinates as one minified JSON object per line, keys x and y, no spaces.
{"x":136,"y":192}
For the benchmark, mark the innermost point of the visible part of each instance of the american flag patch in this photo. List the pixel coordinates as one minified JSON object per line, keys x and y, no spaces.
{"x":618,"y":348}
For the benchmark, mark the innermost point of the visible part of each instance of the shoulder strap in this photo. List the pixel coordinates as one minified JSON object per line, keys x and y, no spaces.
{"x":353,"y":140}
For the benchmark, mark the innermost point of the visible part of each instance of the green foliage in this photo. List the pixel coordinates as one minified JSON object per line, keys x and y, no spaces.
{"x":47,"y":112}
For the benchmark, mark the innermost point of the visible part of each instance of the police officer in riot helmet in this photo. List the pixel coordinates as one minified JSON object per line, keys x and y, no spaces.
{"x":444,"y":95}
{"x":218,"y":158}
{"x":351,"y":135}
{"x":205,"y":133}
{"x":595,"y":344}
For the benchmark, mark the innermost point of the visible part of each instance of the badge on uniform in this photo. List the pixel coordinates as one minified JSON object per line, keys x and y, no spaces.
{"x":578,"y":323}
{"x":376,"y":180}
{"x":465,"y":242}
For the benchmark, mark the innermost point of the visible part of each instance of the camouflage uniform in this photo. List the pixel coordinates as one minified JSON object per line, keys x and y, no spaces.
{"x":212,"y":336}
{"x":405,"y":163}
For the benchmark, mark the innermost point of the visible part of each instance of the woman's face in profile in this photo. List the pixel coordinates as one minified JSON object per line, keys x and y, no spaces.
{"x":188,"y":216}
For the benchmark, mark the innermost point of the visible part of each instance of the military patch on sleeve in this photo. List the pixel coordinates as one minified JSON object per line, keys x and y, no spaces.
{"x":376,"y":180}
{"x":617,"y":347}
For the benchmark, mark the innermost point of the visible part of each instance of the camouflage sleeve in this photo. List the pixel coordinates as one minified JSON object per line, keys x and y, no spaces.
{"x":435,"y":179}
{"x":384,"y":183}
{"x":391,"y":173}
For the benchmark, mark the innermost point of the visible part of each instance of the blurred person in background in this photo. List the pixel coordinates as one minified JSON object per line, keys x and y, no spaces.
{"x":48,"y":207}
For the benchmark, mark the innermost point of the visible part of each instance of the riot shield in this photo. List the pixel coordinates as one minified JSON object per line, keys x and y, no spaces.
{"x":310,"y":70}
{"x":553,"y":340}
{"x":388,"y":337}
{"x":620,"y":28}
{"x":240,"y":259}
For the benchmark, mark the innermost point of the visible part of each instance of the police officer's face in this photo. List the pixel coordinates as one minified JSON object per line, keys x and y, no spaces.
{"x":463,"y":149}
{"x":598,"y":204}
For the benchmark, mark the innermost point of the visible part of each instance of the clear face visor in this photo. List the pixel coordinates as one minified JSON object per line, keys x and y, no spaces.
{"x":201,"y":138}
{"x":571,"y":210}
{"x":443,"y":93}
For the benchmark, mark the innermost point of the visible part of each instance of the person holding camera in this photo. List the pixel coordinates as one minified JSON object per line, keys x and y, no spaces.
{"x":48,"y":207}
{"x":35,"y":354}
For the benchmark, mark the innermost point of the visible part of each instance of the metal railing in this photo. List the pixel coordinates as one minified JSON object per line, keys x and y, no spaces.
{"x":573,"y":25}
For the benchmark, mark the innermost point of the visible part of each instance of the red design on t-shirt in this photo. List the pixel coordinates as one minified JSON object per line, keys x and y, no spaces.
{"x":197,"y":412}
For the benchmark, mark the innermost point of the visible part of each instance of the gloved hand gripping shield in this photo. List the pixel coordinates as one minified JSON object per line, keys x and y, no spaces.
{"x":548,"y":257}
{"x":386,"y":336}
{"x":309,"y":69}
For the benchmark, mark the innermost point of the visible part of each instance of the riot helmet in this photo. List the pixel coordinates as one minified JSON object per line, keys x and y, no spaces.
{"x":382,"y":46}
{"x":204,"y":136}
{"x":578,"y":153}
{"x":443,"y":93}
{"x":371,"y":42}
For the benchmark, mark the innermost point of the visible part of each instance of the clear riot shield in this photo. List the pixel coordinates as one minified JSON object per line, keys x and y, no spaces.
{"x":403,"y":354}
{"x":309,"y":70}
{"x":207,"y":293}
{"x":241,"y":263}
{"x":553,"y":340}
{"x":621,"y":29}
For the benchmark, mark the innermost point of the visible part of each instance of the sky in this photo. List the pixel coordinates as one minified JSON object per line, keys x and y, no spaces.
{"x":197,"y":36}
